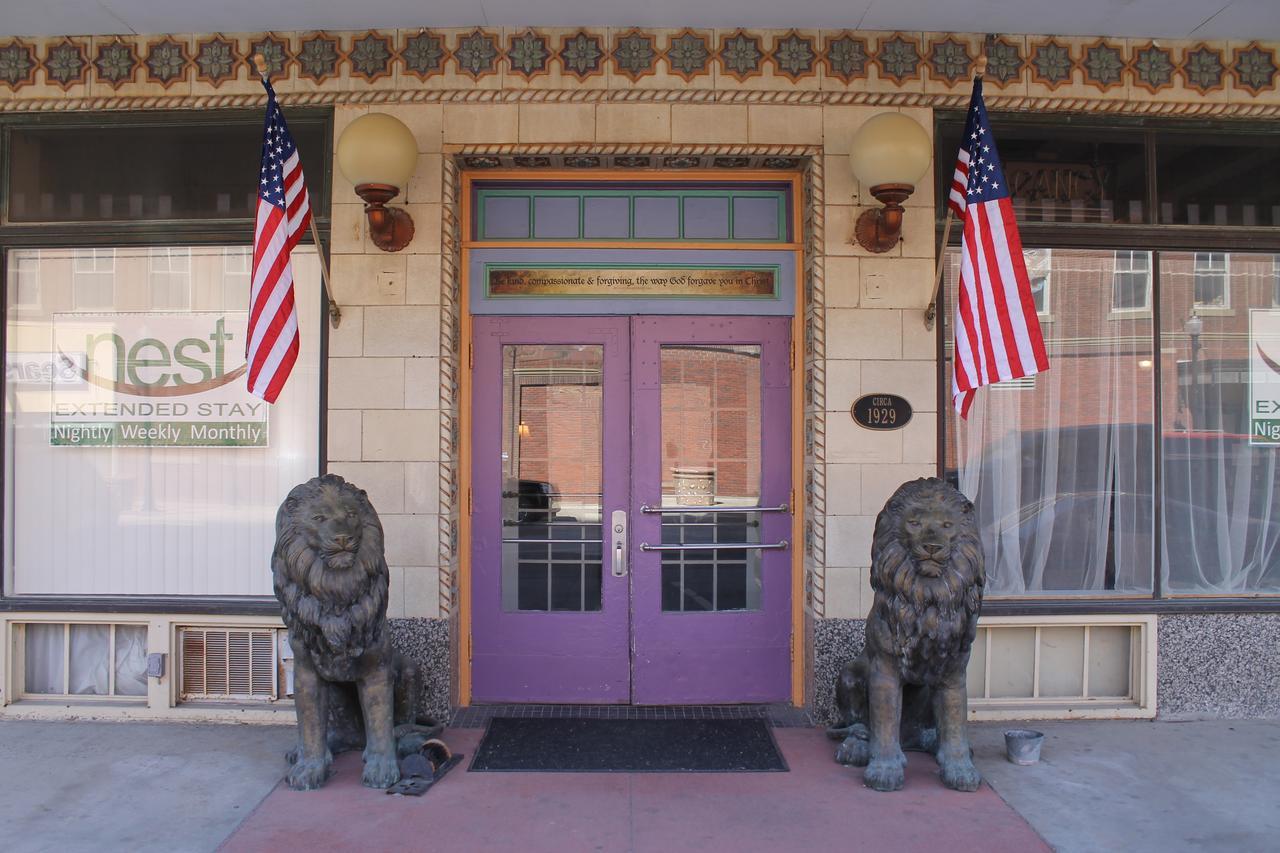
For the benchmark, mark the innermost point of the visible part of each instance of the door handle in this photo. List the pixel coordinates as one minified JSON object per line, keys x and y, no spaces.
{"x":618,"y":537}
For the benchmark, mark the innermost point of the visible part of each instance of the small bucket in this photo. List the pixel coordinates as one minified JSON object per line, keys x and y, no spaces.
{"x":1022,"y":746}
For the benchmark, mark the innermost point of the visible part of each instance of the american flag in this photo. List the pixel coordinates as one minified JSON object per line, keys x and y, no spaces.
{"x":997,"y":332}
{"x":284,"y":212}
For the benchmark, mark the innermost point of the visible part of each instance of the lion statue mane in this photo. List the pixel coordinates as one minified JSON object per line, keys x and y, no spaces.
{"x":331,"y":578}
{"x":907,"y":688}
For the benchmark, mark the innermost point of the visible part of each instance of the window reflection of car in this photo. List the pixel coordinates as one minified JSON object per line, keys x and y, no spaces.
{"x":533,"y":502}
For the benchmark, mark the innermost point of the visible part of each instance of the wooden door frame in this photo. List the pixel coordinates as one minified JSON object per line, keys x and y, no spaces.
{"x":465,"y":350}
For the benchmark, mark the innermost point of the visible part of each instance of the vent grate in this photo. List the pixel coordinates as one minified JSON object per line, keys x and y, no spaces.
{"x":228,"y":663}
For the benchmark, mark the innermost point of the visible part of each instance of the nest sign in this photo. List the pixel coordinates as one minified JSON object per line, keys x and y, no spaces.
{"x":154,"y":380}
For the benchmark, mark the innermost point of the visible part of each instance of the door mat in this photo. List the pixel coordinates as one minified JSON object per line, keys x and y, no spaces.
{"x":577,"y":745}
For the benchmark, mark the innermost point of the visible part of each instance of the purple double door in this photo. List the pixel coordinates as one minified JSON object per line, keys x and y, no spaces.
{"x":630,"y":524}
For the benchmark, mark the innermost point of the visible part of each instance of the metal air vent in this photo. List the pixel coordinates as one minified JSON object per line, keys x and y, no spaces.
{"x":228,"y":664}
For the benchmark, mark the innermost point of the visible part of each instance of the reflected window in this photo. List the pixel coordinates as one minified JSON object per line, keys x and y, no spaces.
{"x":1131,"y":281}
{"x":93,"y":278}
{"x":170,"y":278}
{"x":1211,"y":280}
{"x":552,"y":440}
{"x":711,"y":459}
{"x":1039,"y":263}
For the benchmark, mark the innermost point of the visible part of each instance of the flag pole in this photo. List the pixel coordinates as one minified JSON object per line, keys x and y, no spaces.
{"x":931,"y":312}
{"x":335,"y":313}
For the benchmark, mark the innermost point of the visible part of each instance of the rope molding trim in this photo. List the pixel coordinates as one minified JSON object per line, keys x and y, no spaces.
{"x":689,"y":96}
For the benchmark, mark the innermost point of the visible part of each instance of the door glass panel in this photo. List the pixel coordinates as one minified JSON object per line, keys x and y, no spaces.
{"x":711,"y":459}
{"x":551,"y":476}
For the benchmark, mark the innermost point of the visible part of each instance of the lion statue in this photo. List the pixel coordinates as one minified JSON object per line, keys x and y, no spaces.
{"x":907,"y":688}
{"x":351,"y":688}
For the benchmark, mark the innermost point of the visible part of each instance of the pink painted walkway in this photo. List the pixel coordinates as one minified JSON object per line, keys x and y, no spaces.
{"x":819,"y":805}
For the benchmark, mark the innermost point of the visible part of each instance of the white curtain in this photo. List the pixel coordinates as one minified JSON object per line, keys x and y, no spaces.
{"x":44,"y":658}
{"x":1221,"y":532}
{"x":90,"y":645}
{"x":1060,"y":466}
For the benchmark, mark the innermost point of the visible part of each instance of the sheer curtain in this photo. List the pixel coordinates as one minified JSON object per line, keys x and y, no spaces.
{"x":1221,"y":532}
{"x":1059,"y":466}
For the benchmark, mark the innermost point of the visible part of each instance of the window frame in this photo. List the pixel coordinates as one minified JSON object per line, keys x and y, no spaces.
{"x":1212,"y":307}
{"x":155,"y":233}
{"x":1149,"y":236}
{"x":1129,"y":311}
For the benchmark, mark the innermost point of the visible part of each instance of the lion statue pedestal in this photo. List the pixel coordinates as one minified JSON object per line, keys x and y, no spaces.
{"x":351,"y":688}
{"x":907,"y":688}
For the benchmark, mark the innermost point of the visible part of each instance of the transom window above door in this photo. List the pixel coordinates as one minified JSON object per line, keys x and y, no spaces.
{"x":627,"y":211}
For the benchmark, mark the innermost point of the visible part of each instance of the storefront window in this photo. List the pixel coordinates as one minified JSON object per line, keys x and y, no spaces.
{"x":136,"y":461}
{"x":1221,"y":425}
{"x":1060,"y":464}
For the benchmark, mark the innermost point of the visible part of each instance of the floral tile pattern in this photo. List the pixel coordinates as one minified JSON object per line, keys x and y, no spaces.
{"x":1182,"y":72}
{"x":1254,"y":68}
{"x":582,"y":55}
{"x":740,"y":55}
{"x":1051,"y":64}
{"x":66,"y":64}
{"x":274,"y":52}
{"x":1103,"y":65}
{"x":167,"y":62}
{"x":635,"y":54}
{"x":527,"y":54}
{"x":1004,"y":61}
{"x":424,"y":55}
{"x":477,"y":54}
{"x":215,"y":60}
{"x":17,"y":64}
{"x":688,"y":55}
{"x":846,"y":57}
{"x":371,"y":56}
{"x":115,"y":63}
{"x":318,"y":58}
{"x":794,"y":56}
{"x":628,"y":161}
{"x":1202,"y":68}
{"x":1153,"y":68}
{"x":899,"y":58}
{"x":949,"y":60}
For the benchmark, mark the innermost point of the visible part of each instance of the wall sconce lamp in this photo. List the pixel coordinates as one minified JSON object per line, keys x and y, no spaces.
{"x":378,"y":154}
{"x":891,"y":152}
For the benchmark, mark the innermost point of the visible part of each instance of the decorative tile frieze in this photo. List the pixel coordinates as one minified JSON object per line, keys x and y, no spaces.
{"x":845,"y":56}
{"x":582,"y":54}
{"x":794,"y":56}
{"x":66,"y":63}
{"x":1103,"y":65}
{"x":371,"y":56}
{"x":1202,"y":69}
{"x":274,"y":51}
{"x":898,"y":58}
{"x":1254,"y":68}
{"x":318,"y":57}
{"x":631,"y":161}
{"x":1153,"y":67}
{"x":1051,"y":64}
{"x":215,"y":60}
{"x":424,"y":55}
{"x":1004,"y":61}
{"x":782,"y":66}
{"x":689,"y":55}
{"x":740,"y":55}
{"x":949,"y":60}
{"x":17,"y":64}
{"x":167,"y":62}
{"x":528,"y":54}
{"x":527,"y":162}
{"x":115,"y":63}
{"x":476,"y":54}
{"x":635,"y":54}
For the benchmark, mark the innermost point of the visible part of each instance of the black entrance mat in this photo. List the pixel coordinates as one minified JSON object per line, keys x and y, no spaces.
{"x":628,"y":746}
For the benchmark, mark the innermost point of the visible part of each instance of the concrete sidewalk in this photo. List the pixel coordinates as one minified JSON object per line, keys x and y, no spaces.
{"x":1101,"y":786}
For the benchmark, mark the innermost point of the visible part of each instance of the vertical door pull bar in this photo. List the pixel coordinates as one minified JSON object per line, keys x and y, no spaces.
{"x":619,"y":539}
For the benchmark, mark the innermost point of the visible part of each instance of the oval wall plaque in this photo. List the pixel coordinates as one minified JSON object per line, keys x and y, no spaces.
{"x":881,"y":411}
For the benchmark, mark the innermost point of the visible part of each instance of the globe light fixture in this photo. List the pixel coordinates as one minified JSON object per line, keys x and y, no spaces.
{"x":378,"y":154}
{"x":891,"y":152}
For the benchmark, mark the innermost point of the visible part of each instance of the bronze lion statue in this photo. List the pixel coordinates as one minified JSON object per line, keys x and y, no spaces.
{"x":907,"y":688}
{"x":351,"y":688}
